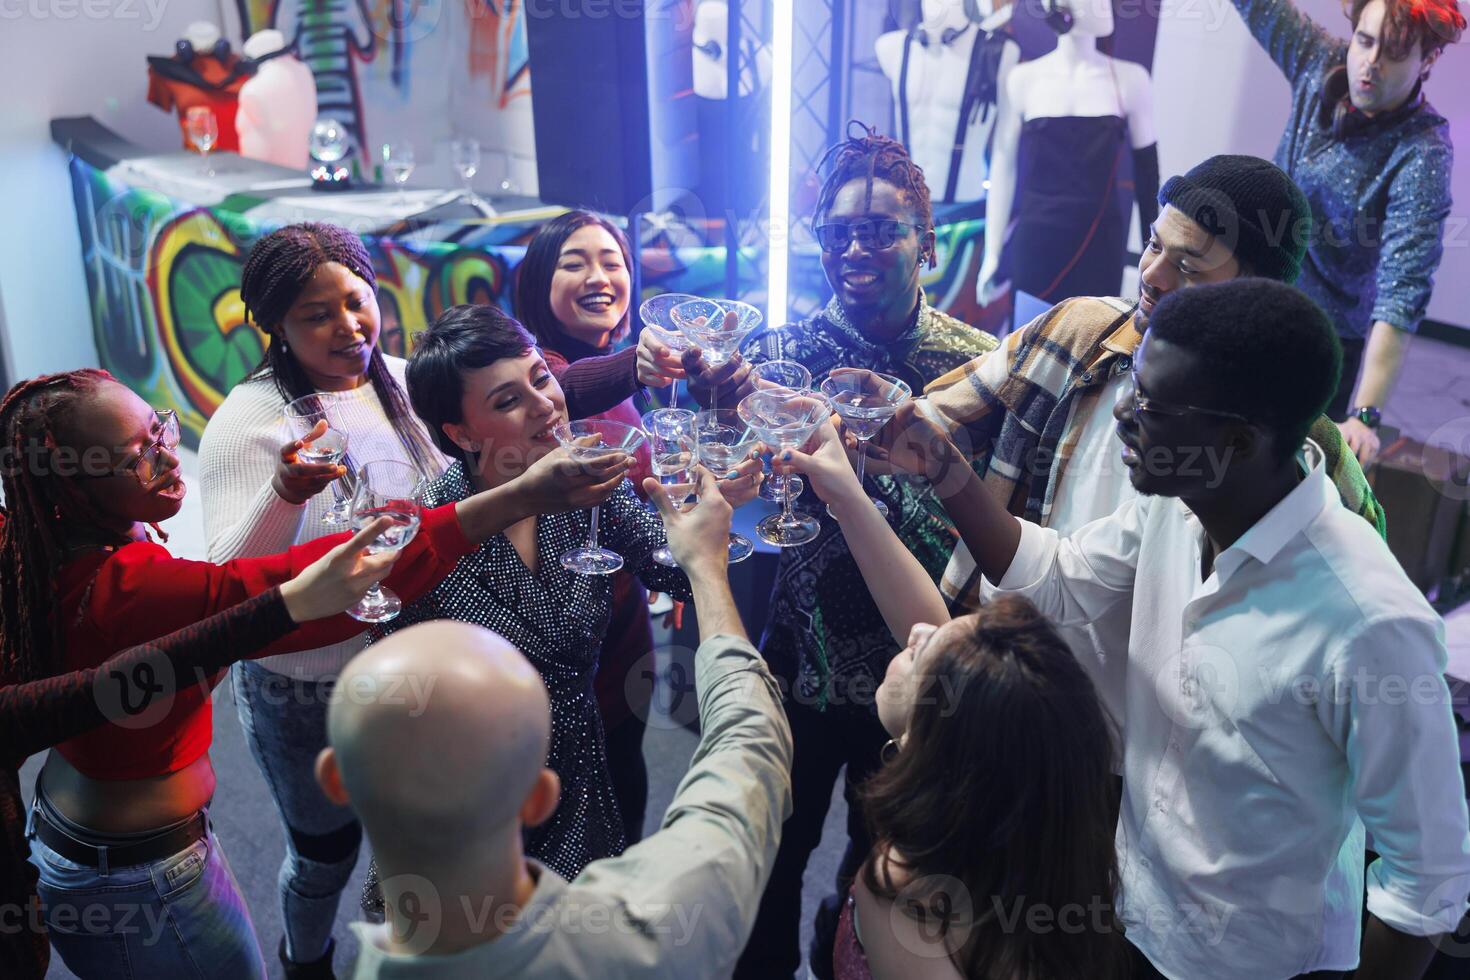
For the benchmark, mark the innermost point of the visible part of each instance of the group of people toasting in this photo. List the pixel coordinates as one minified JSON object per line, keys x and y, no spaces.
{"x":1103,"y":643}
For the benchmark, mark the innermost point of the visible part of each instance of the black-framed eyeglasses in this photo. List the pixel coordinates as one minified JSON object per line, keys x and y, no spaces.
{"x":146,"y":464}
{"x":871,"y":233}
{"x":1142,"y":403}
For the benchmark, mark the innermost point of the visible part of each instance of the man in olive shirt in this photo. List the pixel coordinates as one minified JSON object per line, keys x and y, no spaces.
{"x":444,"y":784}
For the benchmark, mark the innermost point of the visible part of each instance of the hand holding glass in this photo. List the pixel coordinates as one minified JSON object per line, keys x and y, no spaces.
{"x":331,"y":447}
{"x":786,"y":419}
{"x":386,"y":488}
{"x":781,"y":374}
{"x":654,"y":313}
{"x":865,"y":400}
{"x":671,"y":438}
{"x":724,"y":441}
{"x":589,"y":440}
{"x":717,"y":326}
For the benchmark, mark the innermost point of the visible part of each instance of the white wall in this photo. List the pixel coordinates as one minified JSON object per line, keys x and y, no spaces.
{"x":65,"y":58}
{"x":1217,"y":92}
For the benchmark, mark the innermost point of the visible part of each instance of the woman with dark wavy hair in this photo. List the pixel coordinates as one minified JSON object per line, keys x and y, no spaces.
{"x":992,"y":821}
{"x":574,"y":292}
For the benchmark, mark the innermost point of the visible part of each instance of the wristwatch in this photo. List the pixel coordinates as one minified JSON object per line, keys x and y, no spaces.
{"x":1368,"y":415}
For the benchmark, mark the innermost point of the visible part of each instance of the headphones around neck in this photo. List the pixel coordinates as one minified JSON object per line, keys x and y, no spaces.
{"x":949,"y":36}
{"x":1057,"y":17}
{"x":184,"y":50}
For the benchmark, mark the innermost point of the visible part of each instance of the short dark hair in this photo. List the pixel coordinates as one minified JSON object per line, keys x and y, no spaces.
{"x":1431,"y":24}
{"x":533,"y":276}
{"x":1268,"y":345}
{"x":463,"y":338}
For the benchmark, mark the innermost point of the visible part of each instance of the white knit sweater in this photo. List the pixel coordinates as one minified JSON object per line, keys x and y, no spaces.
{"x":243,"y":515}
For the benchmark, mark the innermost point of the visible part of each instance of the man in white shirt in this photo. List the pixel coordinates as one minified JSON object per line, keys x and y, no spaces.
{"x":1283,"y":683}
{"x":444,"y":783}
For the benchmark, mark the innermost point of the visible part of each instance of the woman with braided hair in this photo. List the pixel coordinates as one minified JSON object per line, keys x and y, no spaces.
{"x":824,"y":635}
{"x":311,"y":289}
{"x":121,"y":819}
{"x":35,"y":715}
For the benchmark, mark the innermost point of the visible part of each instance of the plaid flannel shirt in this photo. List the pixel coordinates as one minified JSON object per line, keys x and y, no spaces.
{"x":1018,"y":412}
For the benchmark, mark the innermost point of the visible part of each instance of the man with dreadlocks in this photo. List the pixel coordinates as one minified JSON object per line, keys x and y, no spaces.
{"x":825,"y":637}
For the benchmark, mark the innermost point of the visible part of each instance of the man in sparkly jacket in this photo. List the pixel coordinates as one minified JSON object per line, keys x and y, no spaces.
{"x":1374,"y":160}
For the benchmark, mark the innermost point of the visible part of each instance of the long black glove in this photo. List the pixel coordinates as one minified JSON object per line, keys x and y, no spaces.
{"x":1146,"y":186}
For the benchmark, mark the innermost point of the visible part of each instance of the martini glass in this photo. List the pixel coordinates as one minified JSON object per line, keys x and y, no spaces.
{"x":785,"y":419}
{"x":386,"y":488}
{"x":865,"y":400}
{"x":331,"y":447}
{"x":655,"y":316}
{"x":711,"y":325}
{"x":723,"y":441}
{"x":781,"y":374}
{"x":591,"y":440}
{"x":671,"y":437}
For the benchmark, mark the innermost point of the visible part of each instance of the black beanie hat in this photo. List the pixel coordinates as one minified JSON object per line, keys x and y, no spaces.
{"x":1252,"y":206}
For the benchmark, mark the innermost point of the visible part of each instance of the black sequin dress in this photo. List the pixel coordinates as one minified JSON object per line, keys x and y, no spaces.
{"x":558,"y":620}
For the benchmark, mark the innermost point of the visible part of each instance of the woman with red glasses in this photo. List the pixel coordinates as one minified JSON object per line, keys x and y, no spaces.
{"x":121,"y":820}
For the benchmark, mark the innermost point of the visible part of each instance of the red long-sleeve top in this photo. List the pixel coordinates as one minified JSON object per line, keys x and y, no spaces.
{"x":111,"y":600}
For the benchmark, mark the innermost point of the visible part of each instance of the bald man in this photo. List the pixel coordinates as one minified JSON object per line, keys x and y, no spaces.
{"x":438,"y":740}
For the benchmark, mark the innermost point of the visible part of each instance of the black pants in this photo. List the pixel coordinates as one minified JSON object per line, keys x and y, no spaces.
{"x":1144,"y":970}
{"x":1352,"y":360}
{"x":629,"y":773}
{"x":823,"y":743}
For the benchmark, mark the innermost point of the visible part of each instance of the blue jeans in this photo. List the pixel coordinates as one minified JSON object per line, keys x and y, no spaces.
{"x":285,"y":723}
{"x":181,"y":916}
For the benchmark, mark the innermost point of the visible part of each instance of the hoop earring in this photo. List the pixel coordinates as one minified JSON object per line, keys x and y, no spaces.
{"x":889,"y":751}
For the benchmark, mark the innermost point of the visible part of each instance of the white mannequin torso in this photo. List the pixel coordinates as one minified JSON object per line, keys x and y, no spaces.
{"x":277,"y":107}
{"x":935,"y":90}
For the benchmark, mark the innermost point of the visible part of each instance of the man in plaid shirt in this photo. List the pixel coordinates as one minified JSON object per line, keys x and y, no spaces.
{"x":1035,"y":416}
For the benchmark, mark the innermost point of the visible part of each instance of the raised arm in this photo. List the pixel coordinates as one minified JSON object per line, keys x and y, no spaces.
{"x":42,"y":713}
{"x":717,"y":843}
{"x":902,"y":589}
{"x":1292,"y":39}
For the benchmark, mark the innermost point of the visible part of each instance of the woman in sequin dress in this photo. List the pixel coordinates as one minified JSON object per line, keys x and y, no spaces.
{"x":482,"y":388}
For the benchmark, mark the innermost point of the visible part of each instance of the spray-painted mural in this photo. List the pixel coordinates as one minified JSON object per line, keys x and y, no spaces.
{"x":164,"y":281}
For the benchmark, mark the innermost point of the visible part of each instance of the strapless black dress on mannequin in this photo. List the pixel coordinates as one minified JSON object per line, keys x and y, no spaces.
{"x":1071,"y":229}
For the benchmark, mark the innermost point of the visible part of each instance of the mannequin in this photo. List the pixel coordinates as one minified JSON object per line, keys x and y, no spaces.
{"x":202,"y":71}
{"x":1063,"y":123}
{"x":930,"y":67}
{"x":711,"y":53}
{"x":730,"y":171}
{"x":278,"y":105}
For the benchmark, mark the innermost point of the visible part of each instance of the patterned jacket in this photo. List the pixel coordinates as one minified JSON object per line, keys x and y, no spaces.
{"x":824,"y":634}
{"x":1017,"y":413}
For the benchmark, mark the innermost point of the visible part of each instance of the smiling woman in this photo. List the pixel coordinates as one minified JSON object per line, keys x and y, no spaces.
{"x":311,"y":289}
{"x":574,"y":293}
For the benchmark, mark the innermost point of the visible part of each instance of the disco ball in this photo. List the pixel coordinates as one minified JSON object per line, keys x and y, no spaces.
{"x":330,"y":140}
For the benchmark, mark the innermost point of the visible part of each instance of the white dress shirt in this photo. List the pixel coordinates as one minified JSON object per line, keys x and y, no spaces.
{"x":1267,"y":708}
